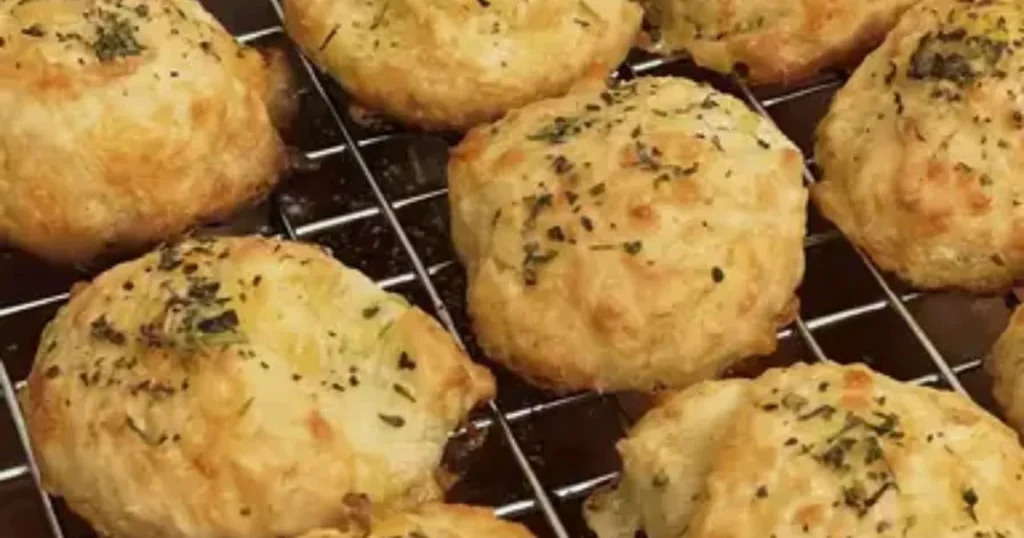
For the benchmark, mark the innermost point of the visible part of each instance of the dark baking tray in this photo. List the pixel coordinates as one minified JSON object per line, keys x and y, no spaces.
{"x":375,"y":195}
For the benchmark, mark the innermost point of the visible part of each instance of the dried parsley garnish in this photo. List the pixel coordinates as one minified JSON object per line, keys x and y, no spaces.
{"x":562,"y":165}
{"x":558,"y":131}
{"x":647,"y":157}
{"x":101,"y":329}
{"x":245,"y":407}
{"x":533,"y":258}
{"x":824,"y":411}
{"x":405,"y":363}
{"x":537,"y":204}
{"x":632,"y":247}
{"x":970,"y":501}
{"x":139,"y":431}
{"x":370,"y":311}
{"x":224,"y":322}
{"x":394,"y":421}
{"x":956,"y":57}
{"x":402,"y":391}
{"x":115,"y":38}
{"x":170,"y":258}
{"x":36,"y":30}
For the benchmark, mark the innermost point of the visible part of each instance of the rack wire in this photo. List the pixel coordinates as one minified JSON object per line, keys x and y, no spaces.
{"x":548,"y":503}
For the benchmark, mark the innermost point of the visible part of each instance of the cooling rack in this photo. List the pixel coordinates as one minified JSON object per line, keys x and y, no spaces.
{"x":375,"y":194}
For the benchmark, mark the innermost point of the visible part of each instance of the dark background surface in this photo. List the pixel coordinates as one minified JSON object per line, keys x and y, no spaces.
{"x":568,"y":441}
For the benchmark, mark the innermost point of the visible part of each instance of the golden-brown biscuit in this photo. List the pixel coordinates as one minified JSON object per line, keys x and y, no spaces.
{"x":816,"y":451}
{"x":427,"y":521}
{"x":124,"y":123}
{"x":1006,"y":365}
{"x":241,"y":388}
{"x":921,"y":150}
{"x":642,"y":236}
{"x":458,"y":63}
{"x":682,"y":433}
{"x":777,"y":41}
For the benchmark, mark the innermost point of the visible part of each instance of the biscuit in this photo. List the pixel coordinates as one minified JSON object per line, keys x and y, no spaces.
{"x":638,"y":237}
{"x":123,"y":124}
{"x":1005,"y":363}
{"x":815,"y":450}
{"x":775,"y":41}
{"x":455,"y":64}
{"x":241,"y":388}
{"x":921,"y":149}
{"x":428,"y":521}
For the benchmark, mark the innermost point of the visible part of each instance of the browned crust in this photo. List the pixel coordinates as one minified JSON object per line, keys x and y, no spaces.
{"x":258,"y":421}
{"x":792,"y":51}
{"x":908,"y":176}
{"x":426,"y":88}
{"x":597,"y":316}
{"x":1004,"y":363}
{"x":765,"y":69}
{"x":112,"y":156}
{"x":433,"y":519}
{"x":830,"y":204}
{"x":733,"y":458}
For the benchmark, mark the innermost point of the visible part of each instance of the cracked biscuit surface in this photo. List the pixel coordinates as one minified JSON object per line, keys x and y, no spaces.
{"x":241,"y":387}
{"x":642,"y":236}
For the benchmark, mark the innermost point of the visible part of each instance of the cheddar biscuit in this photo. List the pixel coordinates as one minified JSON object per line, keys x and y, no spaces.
{"x":241,"y":388}
{"x":1006,"y":365}
{"x":642,"y":236}
{"x":921,"y":150}
{"x":822,"y":450}
{"x":428,"y":521}
{"x":124,"y":123}
{"x":455,"y":64}
{"x":773,"y":41}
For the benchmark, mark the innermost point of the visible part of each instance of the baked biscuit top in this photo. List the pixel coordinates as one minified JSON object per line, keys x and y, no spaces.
{"x":921,"y":150}
{"x":820,"y":450}
{"x":638,"y":236}
{"x":428,"y":521}
{"x":772,"y":41}
{"x":455,"y":64}
{"x":241,"y":387}
{"x":123,"y":123}
{"x":90,"y":36}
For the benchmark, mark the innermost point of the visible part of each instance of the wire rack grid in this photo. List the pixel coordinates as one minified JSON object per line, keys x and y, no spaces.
{"x":537,"y":456}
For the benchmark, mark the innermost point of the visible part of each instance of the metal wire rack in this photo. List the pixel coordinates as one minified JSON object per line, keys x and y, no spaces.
{"x":377,"y":196}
